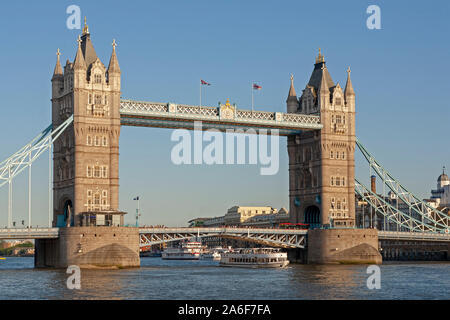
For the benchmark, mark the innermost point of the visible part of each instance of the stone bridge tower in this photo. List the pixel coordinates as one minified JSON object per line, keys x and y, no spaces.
{"x":86,"y":157}
{"x":321,"y":163}
{"x":86,"y":167}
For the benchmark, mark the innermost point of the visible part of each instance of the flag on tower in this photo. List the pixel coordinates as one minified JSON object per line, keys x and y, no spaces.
{"x":204,"y":82}
{"x":256,"y":87}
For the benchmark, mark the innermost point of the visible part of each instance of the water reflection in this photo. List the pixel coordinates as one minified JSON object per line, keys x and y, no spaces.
{"x":161,"y":279}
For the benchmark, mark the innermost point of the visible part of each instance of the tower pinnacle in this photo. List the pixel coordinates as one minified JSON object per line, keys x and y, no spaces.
{"x":85,"y":28}
{"x":348,"y":86}
{"x":79,"y":62}
{"x":320,"y":58}
{"x":58,"y":69}
{"x":113,"y":62}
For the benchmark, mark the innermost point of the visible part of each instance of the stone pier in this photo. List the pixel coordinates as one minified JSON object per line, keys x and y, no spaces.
{"x":90,"y":247}
{"x":343,"y":246}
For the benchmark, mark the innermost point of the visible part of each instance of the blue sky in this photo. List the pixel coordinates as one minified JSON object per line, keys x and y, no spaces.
{"x":400,"y":75}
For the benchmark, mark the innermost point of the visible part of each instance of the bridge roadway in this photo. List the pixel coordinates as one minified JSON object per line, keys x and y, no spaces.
{"x":287,"y":238}
{"x":284,"y":238}
{"x":170,"y":115}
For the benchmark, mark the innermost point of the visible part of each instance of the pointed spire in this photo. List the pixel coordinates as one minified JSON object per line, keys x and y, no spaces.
{"x":58,"y":69}
{"x":323,"y":85}
{"x":292,"y":89}
{"x":79,"y":62}
{"x":348,"y":86}
{"x":85,"y":28}
{"x":113,"y":62}
{"x":320,"y":58}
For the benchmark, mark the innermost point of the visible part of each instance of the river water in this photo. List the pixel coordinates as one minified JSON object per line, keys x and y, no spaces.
{"x":162,"y":279}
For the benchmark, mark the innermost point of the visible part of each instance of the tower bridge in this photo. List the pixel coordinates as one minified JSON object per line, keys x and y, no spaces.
{"x":85,"y":222}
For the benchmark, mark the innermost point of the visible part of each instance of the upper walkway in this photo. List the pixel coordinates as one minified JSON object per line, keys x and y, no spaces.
{"x":287,"y":238}
{"x":170,"y":115}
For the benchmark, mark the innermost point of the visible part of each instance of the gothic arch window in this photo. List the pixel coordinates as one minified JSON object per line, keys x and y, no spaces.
{"x":104,"y":193}
{"x":89,"y":172}
{"x":104,"y":172}
{"x":89,"y":140}
{"x":97,"y":141}
{"x":331,"y":154}
{"x":338,"y":181}
{"x":105,"y":141}
{"x":338,"y":206}
{"x":90,"y":98}
{"x":332,"y":181}
{"x":97,"y":172}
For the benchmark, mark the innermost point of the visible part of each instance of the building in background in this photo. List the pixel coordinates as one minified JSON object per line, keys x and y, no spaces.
{"x":263,"y":217}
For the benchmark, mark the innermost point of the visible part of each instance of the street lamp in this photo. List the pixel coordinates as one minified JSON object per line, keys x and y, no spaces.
{"x":137,"y":212}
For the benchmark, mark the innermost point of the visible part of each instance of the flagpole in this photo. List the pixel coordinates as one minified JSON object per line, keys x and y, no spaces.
{"x":252,"y":97}
{"x":200,"y":93}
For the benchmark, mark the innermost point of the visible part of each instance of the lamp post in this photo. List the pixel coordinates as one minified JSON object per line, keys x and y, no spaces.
{"x":137,"y":212}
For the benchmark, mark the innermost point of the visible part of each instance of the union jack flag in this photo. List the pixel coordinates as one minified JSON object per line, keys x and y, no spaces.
{"x":256,"y":87}
{"x":205,"y":83}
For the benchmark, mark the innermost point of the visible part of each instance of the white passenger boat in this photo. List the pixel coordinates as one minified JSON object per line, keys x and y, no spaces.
{"x":255,"y":258}
{"x":188,"y":250}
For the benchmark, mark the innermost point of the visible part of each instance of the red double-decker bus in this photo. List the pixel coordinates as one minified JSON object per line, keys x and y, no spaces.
{"x":288,"y":225}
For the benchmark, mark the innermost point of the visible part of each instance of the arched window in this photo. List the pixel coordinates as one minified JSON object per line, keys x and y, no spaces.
{"x":104,"y":172}
{"x":89,"y":171}
{"x":97,"y":141}
{"x":89,"y":140}
{"x":97,"y":173}
{"x":105,"y":141}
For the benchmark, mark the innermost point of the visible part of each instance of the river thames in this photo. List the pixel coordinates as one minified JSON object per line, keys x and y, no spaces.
{"x":162,"y":279}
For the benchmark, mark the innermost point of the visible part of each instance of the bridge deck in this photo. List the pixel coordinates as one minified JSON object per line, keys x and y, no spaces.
{"x":285,"y":238}
{"x":168,"y":115}
{"x":33,"y":233}
{"x":413,"y":236}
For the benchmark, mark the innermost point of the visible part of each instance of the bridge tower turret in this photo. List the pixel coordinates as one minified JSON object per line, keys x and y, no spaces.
{"x":321,"y":163}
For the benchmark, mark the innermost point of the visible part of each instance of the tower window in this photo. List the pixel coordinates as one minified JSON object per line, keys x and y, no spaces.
{"x":89,"y":193}
{"x":105,"y":141}
{"x":97,"y":172}
{"x":89,"y":140}
{"x":97,"y":78}
{"x":331,"y":155}
{"x":104,"y":172}
{"x":89,"y":171}
{"x":90,"y":98}
{"x":97,"y":141}
{"x":104,"y":193}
